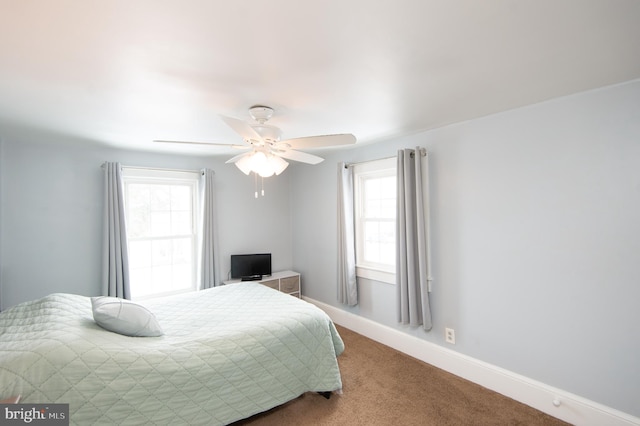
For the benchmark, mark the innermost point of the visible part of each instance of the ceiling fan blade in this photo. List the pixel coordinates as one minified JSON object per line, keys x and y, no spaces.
{"x":237,"y":157}
{"x":320,"y":141}
{"x":242,"y":128}
{"x":303,"y":157}
{"x":205,"y":143}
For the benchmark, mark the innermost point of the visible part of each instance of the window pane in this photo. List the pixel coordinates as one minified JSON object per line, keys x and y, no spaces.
{"x":140,"y":254}
{"x":161,"y":252}
{"x":142,"y":279}
{"x":161,"y":279}
{"x":372,"y":188}
{"x":387,"y":232}
{"x":160,"y":222}
{"x":371,"y":231}
{"x":137,"y":206}
{"x":138,"y":196}
{"x":372,"y":208}
{"x":160,"y":198}
{"x":388,"y":187}
{"x":388,"y":208}
{"x":180,"y":197}
{"x":388,"y":253}
{"x":182,"y":251}
{"x":379,"y":199}
{"x":138,"y":223}
{"x":372,"y":251}
{"x":181,"y":276}
{"x":181,"y":222}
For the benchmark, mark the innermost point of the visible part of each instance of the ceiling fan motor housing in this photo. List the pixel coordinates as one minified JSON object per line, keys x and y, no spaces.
{"x":261,"y":113}
{"x":268,"y":133}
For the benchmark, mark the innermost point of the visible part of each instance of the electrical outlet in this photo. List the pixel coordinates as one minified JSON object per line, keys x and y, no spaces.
{"x":450,"y":335}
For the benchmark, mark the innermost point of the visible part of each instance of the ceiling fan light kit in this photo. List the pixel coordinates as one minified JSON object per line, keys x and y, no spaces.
{"x":262,"y":164}
{"x":267,"y":151}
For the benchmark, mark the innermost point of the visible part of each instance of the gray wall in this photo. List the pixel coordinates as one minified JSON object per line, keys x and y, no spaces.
{"x":536,"y":241}
{"x":51,"y":213}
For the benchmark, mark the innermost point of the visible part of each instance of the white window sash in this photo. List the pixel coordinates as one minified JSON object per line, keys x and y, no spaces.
{"x":145,"y":176}
{"x":363,"y":171}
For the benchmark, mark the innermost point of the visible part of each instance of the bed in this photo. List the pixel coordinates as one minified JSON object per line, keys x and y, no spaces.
{"x":227,"y":353}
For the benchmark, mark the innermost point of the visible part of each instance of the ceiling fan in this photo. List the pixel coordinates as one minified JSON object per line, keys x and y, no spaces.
{"x":266,"y":151}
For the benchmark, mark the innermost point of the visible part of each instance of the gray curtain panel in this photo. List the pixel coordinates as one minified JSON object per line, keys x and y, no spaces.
{"x":115,"y":264}
{"x":412,"y":249}
{"x":209,"y":235}
{"x":347,"y":286}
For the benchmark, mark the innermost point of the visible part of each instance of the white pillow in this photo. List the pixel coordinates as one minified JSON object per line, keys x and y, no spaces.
{"x":125,"y":317}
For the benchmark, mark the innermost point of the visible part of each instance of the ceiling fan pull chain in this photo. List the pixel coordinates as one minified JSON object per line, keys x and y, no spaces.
{"x":263,"y":186}
{"x":255,"y":183}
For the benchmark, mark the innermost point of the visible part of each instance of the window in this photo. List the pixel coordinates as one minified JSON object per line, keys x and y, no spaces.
{"x":160,"y":209}
{"x":375,"y":214}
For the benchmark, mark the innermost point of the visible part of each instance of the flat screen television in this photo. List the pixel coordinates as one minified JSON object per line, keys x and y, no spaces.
{"x":250,"y":266}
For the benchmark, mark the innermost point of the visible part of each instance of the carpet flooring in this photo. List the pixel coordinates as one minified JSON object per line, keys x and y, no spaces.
{"x":382,"y":386}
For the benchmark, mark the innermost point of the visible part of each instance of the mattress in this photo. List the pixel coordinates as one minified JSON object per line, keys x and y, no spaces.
{"x":227,"y":353}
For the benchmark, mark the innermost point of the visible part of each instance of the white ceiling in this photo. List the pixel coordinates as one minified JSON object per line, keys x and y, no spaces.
{"x":125,"y":72}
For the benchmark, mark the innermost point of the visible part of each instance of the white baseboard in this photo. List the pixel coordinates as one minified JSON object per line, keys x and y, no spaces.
{"x":553,"y":401}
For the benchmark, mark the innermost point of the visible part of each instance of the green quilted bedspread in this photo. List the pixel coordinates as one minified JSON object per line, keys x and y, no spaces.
{"x":227,"y":353}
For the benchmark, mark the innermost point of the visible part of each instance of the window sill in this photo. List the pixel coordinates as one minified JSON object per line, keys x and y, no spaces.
{"x":376,"y":275}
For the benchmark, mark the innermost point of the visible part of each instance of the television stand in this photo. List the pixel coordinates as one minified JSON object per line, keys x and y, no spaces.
{"x":257,"y":277}
{"x":285,"y":281}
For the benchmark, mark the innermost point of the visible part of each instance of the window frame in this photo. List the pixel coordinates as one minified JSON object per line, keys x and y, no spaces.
{"x":361,"y":172}
{"x":149,"y":176}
